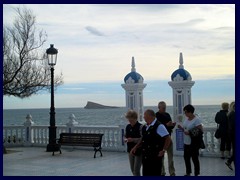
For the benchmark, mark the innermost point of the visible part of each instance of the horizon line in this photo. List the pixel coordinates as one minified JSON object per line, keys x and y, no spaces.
{"x":100,"y":108}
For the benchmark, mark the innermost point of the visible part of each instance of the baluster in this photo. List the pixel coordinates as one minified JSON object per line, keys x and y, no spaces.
{"x":115,"y":138}
{"x":45,"y":136}
{"x":16,"y":135}
{"x":111,"y":138}
{"x":36,"y":134}
{"x":213,"y":145}
{"x":106,"y":138}
{"x":11,"y":137}
{"x":205,"y":142}
{"x":42,"y":135}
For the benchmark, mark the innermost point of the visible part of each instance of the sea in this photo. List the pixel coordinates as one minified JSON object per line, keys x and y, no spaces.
{"x":102,"y":117}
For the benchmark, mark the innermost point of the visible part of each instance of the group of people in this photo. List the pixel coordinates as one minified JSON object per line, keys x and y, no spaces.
{"x":225,"y":119}
{"x":147,"y":144}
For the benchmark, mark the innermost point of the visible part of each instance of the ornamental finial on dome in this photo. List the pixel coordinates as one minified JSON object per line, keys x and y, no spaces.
{"x":181,"y":61}
{"x":133,"y":65}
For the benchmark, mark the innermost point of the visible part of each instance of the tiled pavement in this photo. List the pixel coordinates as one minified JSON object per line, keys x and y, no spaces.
{"x":35,"y":161}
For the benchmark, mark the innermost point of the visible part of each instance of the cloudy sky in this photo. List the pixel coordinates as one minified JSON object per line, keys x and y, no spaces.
{"x":96,"y":44}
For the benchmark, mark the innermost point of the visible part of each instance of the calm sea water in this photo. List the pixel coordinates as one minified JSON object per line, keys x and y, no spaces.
{"x":94,"y":116}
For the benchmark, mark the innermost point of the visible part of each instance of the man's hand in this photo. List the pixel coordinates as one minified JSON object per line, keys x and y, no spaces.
{"x":161,"y":153}
{"x":133,"y":151}
{"x":130,"y":139}
{"x":180,"y":127}
{"x":170,"y":123}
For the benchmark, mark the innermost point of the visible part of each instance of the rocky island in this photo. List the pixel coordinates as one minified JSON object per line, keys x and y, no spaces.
{"x":93,"y":105}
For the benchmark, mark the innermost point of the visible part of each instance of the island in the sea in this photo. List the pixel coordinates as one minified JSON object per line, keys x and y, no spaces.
{"x":93,"y":105}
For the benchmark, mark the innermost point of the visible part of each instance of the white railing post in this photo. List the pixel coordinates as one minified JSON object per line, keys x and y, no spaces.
{"x":71,"y":123}
{"x":28,"y":131}
{"x":122,"y":127}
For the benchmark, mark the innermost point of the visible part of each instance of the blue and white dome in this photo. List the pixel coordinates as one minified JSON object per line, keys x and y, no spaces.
{"x":185,"y":75}
{"x":181,"y":74}
{"x":133,"y":76}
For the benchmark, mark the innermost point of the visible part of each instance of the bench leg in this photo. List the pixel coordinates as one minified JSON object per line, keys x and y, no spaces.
{"x":96,"y":150}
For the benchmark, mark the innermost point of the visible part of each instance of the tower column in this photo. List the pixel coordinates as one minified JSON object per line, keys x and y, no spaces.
{"x":133,"y":87}
{"x":181,"y":84}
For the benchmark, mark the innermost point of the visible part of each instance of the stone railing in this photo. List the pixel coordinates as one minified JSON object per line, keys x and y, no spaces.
{"x":34,"y":135}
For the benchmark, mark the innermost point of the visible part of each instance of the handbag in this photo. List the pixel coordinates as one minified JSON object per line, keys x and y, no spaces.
{"x":202,"y":144}
{"x":197,"y":138}
{"x":217,"y":133}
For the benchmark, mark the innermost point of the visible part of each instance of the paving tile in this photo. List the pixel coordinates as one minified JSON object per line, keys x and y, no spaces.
{"x":35,"y":161}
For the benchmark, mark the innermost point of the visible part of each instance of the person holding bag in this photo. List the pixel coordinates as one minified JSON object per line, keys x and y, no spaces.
{"x":191,"y":147}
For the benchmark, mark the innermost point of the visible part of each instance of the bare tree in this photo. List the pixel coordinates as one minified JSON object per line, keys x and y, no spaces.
{"x":25,"y":70}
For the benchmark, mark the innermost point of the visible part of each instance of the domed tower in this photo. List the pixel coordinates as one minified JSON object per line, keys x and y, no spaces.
{"x":134,"y":91}
{"x":181,"y":83}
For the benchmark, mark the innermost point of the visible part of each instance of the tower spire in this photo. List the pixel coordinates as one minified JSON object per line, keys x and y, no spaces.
{"x":133,"y":65}
{"x":181,"y":61}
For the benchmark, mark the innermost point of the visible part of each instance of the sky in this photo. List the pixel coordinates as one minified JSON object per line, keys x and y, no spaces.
{"x":97,"y":42}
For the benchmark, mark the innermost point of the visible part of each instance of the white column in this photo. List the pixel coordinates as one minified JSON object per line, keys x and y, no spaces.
{"x":71,"y":123}
{"x":28,"y":130}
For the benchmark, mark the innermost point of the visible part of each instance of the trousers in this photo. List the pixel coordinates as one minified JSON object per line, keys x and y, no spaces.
{"x":135,"y":164}
{"x":152,"y":167}
{"x":191,"y":152}
{"x":171,"y":168}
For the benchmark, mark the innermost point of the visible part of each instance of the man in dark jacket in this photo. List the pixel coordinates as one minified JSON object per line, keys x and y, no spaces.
{"x":154,"y":142}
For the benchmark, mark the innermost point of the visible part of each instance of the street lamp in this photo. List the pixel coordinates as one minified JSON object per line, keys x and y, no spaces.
{"x":52,"y":60}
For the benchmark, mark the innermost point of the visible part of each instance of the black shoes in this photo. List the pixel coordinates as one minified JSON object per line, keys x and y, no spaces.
{"x":229,"y":165}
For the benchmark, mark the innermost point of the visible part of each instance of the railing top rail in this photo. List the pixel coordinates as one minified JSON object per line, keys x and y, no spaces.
{"x":14,"y":126}
{"x":77,"y":126}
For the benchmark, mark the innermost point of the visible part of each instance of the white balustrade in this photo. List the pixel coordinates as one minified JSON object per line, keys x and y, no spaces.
{"x":36,"y":135}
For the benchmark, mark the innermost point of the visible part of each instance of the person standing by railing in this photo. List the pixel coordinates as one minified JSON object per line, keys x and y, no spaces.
{"x":165,"y":118}
{"x":190,"y":150}
{"x":132,"y":136}
{"x":231,"y":131}
{"x":222,"y":119}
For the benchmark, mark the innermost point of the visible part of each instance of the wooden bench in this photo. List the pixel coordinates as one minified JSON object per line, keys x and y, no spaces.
{"x":81,"y":139}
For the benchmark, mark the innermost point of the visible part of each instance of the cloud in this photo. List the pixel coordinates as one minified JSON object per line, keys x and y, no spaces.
{"x":94,"y":31}
{"x":193,"y":22}
{"x":154,"y":34}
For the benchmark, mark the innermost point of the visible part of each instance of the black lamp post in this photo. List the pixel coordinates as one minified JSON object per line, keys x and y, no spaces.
{"x":52,"y":60}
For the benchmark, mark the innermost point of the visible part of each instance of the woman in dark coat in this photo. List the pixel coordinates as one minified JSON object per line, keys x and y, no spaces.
{"x":231,"y":131}
{"x":222,"y":120}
